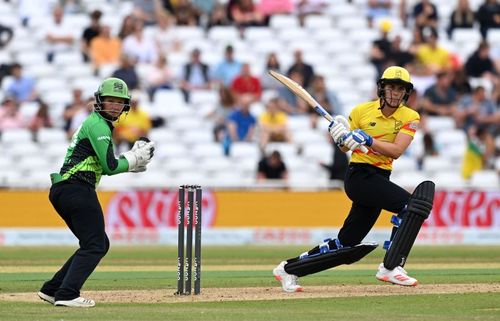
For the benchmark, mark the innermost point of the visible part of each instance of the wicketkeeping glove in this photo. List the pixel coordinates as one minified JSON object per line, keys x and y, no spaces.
{"x":355,"y":139}
{"x":139,"y":156}
{"x":338,"y":128}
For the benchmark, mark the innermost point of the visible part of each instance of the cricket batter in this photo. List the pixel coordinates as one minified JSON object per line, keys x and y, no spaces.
{"x":386,"y":127}
{"x":89,"y":156}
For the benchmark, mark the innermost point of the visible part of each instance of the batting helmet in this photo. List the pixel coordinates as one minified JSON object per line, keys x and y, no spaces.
{"x":111,"y":87}
{"x":395,"y":75}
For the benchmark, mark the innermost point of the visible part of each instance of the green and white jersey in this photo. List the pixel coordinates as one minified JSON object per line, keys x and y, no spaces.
{"x":91,"y":154}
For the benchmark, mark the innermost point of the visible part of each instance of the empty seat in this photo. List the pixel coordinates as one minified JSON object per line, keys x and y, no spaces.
{"x":279,"y":21}
{"x":439,"y":123}
{"x":485,"y":179}
{"x":449,"y":179}
{"x":51,"y":136}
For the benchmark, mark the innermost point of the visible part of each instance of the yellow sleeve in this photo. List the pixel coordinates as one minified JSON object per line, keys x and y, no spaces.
{"x":354,"y":118}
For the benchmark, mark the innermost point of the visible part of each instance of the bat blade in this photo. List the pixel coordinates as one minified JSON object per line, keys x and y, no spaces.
{"x":299,"y":91}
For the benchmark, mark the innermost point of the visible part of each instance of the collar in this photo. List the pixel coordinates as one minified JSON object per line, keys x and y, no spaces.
{"x":378,"y":111}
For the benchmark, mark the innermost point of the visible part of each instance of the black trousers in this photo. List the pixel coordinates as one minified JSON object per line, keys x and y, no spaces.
{"x":370,"y":191}
{"x":78,"y":206}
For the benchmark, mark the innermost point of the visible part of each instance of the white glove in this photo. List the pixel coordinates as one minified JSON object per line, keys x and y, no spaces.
{"x":139,"y":156}
{"x":338,"y":128}
{"x":356,"y":139}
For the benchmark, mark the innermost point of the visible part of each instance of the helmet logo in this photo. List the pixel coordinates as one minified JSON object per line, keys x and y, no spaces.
{"x":398,"y":74}
{"x":118,"y":87}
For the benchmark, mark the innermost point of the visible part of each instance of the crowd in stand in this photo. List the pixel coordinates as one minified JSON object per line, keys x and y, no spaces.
{"x":468,"y":90}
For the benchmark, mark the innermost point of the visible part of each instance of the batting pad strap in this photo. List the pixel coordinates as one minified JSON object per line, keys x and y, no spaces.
{"x":419,"y":208}
{"x":330,"y":259}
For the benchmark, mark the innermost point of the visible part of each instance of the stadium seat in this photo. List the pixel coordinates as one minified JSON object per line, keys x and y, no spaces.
{"x":51,"y":136}
{"x":439,"y":123}
{"x":279,"y":21}
{"x":485,"y":179}
{"x":449,"y":179}
{"x":315,"y":22}
{"x":16,"y":137}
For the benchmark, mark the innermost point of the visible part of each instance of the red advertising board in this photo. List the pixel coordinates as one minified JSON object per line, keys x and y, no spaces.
{"x":465,"y":208}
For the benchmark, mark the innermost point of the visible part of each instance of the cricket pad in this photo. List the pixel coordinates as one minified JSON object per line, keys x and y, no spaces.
{"x":419,"y":208}
{"x":330,"y":259}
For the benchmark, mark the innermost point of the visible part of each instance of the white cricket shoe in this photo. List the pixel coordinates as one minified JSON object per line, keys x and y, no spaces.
{"x":396,"y":276}
{"x":288,"y":281}
{"x":46,"y":297}
{"x":76,"y":303}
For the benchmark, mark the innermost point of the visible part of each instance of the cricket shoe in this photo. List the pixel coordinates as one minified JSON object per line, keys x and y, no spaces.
{"x":46,"y":297}
{"x":76,"y":303}
{"x":288,"y":281}
{"x":396,"y":276}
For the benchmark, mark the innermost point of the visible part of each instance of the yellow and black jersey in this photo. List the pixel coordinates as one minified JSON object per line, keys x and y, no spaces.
{"x":368,"y":117}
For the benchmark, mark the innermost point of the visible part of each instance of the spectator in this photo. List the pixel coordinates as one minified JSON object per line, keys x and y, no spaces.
{"x":273,"y":124}
{"x":460,"y":82}
{"x":105,"y":49}
{"x":397,"y":55}
{"x":461,"y":17}
{"x":159,"y":76}
{"x":71,"y":109}
{"x":241,"y":123}
{"x":161,"y":32}
{"x":40,"y":120}
{"x":145,"y":10}
{"x":272,"y":167}
{"x":195,"y":75}
{"x":381,"y":48}
{"x":227,"y":69}
{"x":488,"y":16}
{"x":22,"y":88}
{"x":186,"y":14}
{"x":305,"y":8}
{"x":337,"y":168}
{"x":269,"y":8}
{"x":476,"y":110}
{"x":127,"y":27}
{"x":10,"y":117}
{"x":272,"y":63}
{"x":434,"y":57}
{"x":377,"y":9}
{"x":218,"y":17}
{"x":59,"y":35}
{"x":133,"y":125}
{"x":79,"y":116}
{"x":327,"y":98}
{"x":245,"y":14}
{"x":90,"y":33}
{"x":226,"y":105}
{"x":126,"y":72}
{"x":480,"y":65}
{"x":205,"y":7}
{"x":303,"y":68}
{"x":440,"y":99}
{"x":479,"y":151}
{"x":141,"y":48}
{"x":245,"y":83}
{"x":6,"y":35}
{"x":425,"y":14}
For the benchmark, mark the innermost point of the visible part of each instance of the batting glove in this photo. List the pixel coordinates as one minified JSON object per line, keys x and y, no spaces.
{"x":338,"y":128}
{"x":356,"y":138}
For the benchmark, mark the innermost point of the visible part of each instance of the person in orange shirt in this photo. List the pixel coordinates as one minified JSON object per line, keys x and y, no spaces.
{"x":105,"y":49}
{"x":385,"y":127}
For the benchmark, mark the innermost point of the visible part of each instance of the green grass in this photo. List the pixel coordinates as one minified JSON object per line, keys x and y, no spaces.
{"x":462,"y":306}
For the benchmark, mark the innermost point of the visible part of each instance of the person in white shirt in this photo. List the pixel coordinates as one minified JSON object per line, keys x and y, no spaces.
{"x":59,"y":36}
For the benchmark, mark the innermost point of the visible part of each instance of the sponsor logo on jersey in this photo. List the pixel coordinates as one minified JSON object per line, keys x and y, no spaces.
{"x":103,"y":138}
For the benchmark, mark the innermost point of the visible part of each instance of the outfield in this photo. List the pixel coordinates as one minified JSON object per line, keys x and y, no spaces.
{"x":137,"y":283}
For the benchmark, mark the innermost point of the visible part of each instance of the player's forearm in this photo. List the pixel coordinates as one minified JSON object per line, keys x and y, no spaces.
{"x":388,"y":149}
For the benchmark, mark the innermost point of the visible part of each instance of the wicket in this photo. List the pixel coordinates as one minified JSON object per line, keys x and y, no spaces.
{"x":185,"y":258}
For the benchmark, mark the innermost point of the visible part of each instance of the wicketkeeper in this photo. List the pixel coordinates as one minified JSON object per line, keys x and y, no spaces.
{"x":386,"y":127}
{"x":89,"y":156}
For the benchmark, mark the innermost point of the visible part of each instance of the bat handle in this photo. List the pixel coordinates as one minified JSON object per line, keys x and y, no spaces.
{"x":363,"y":149}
